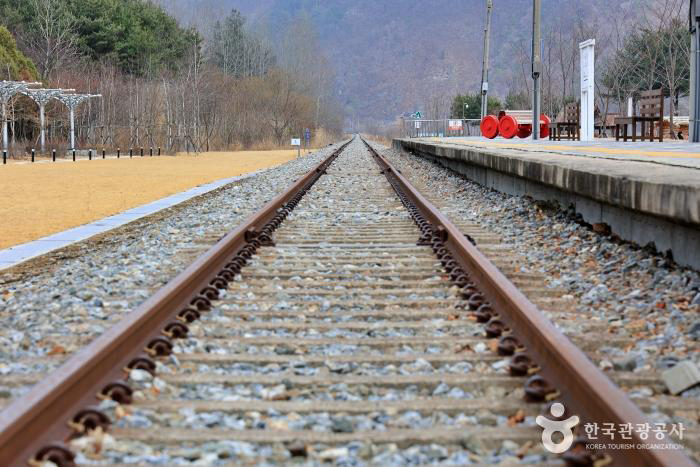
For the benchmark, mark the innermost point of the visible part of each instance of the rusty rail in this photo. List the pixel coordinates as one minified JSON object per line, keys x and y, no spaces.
{"x":38,"y":424}
{"x":559,"y":370}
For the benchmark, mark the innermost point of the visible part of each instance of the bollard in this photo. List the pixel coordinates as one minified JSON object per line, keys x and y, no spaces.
{"x":33,"y":152}
{"x":118,"y":153}
{"x":159,"y":150}
{"x":73,"y":155}
{"x":142,"y":151}
{"x":53,"y":155}
{"x":4,"y":157}
{"x":151,"y":151}
{"x":131,"y":152}
{"x":89,"y":154}
{"x":103,"y":154}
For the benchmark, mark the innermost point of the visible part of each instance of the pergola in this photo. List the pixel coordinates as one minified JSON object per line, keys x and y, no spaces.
{"x":42,"y":97}
{"x":9,"y":89}
{"x":72,"y":101}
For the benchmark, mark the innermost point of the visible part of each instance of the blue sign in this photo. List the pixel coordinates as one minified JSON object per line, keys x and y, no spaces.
{"x":307,"y":134}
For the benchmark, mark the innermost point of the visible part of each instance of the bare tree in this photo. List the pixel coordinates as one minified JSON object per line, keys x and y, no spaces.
{"x":52,"y":43}
{"x":654,"y":54}
{"x":301,"y":56}
{"x":284,"y":105}
{"x":566,"y":58}
{"x":674,"y":61}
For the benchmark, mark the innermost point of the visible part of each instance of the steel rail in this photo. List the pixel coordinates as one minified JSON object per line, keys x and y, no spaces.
{"x":37,"y":425}
{"x":559,"y":370}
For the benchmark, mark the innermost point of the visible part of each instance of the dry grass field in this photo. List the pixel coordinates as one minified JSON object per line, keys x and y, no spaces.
{"x":44,"y":198}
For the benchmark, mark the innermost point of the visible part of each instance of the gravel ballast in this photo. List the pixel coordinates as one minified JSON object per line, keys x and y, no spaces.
{"x":323,"y":351}
{"x":299,"y":360}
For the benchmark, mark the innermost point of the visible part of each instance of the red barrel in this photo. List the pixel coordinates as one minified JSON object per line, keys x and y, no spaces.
{"x":524,"y":131}
{"x":489,"y":127}
{"x":508,"y":126}
{"x":544,"y":126}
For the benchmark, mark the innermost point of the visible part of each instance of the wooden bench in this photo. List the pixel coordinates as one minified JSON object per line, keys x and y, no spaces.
{"x":570,"y":124}
{"x":603,"y":125}
{"x":519,"y":123}
{"x":651,"y":110}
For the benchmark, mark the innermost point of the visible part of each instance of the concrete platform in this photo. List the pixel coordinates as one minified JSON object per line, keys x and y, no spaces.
{"x":646,"y":192}
{"x":25,"y":251}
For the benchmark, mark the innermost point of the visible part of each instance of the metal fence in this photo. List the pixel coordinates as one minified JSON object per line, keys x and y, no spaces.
{"x":423,"y":128}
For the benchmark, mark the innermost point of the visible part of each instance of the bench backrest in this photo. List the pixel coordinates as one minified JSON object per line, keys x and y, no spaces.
{"x":523,"y":117}
{"x":572,"y":112}
{"x":651,"y":103}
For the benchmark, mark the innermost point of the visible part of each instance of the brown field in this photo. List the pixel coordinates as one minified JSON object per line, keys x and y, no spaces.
{"x":44,"y":198}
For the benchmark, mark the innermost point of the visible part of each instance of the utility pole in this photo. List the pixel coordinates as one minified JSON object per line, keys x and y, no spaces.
{"x":485,"y":66}
{"x":536,"y":68}
{"x":694,"y":127}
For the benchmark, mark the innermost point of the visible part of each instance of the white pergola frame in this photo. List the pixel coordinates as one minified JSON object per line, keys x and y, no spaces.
{"x":72,"y":101}
{"x":8,"y":89}
{"x":42,"y":97}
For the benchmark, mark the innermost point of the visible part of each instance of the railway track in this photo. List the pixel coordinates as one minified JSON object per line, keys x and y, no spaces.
{"x":347,"y":321}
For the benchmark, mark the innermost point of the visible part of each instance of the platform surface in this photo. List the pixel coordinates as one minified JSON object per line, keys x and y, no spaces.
{"x":661,"y":179}
{"x":671,"y":153}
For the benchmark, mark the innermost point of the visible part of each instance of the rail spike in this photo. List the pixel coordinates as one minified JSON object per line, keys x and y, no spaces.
{"x":188,"y":315}
{"x":508,"y":345}
{"x":579,"y":455}
{"x":159,"y":347}
{"x":201,"y":303}
{"x":251,"y":234}
{"x":118,"y":391}
{"x":88,"y":419}
{"x":142,"y":362}
{"x":495,"y":328}
{"x":175,"y":330}
{"x":484,"y":313}
{"x":538,"y":389}
{"x":520,"y":364}
{"x":56,"y":453}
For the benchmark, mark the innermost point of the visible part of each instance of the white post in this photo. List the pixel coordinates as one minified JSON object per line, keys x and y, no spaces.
{"x":72,"y":128}
{"x":587,"y":50}
{"x":4,"y":126}
{"x":536,"y":67}
{"x":41,"y":123}
{"x":485,"y":66}
{"x":630,"y":106}
{"x":694,"y":127}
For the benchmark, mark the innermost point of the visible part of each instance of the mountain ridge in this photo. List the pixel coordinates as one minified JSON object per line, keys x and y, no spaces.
{"x":395,"y":57}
